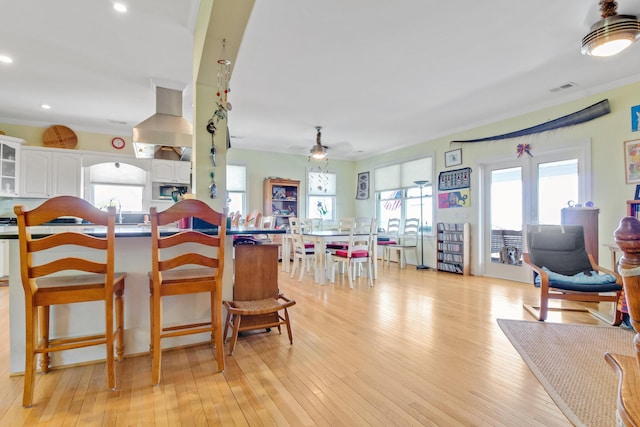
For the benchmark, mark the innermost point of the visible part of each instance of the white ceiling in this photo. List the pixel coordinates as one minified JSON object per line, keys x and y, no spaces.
{"x":377,"y":75}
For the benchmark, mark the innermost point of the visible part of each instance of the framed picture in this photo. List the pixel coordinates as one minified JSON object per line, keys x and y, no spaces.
{"x":635,"y":118}
{"x":632,"y":161}
{"x":453,"y":158}
{"x":363,"y":186}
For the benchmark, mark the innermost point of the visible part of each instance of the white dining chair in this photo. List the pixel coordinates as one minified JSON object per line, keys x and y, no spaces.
{"x":359,"y":251}
{"x":408,"y":241}
{"x":304,"y":255}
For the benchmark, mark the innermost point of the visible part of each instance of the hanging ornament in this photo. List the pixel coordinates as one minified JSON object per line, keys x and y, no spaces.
{"x":211,"y":128}
{"x":213,"y":188}
{"x":224,"y":75}
{"x":522,"y":149}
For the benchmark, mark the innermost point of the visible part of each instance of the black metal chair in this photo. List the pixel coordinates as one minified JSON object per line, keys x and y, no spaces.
{"x":557,"y":255}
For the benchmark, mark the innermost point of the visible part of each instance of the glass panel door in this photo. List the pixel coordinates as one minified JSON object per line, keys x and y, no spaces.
{"x":505,"y":222}
{"x":527,"y":191}
{"x":557,"y":185}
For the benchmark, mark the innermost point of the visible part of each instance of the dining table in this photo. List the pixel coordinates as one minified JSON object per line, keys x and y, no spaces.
{"x":320,"y":238}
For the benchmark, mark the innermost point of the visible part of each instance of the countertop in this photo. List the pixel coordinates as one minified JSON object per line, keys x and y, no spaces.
{"x":122,"y":230}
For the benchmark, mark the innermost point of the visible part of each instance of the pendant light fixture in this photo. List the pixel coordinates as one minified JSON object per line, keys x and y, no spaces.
{"x":318,"y":151}
{"x":612,"y":34}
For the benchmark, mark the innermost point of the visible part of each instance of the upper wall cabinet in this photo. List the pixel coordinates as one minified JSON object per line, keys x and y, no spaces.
{"x":47,"y":173}
{"x":9,"y":161}
{"x":171,"y":171}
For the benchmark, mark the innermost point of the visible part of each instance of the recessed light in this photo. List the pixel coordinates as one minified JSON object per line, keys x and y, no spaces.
{"x":45,"y":106}
{"x":5,"y":59}
{"x":120,"y":7}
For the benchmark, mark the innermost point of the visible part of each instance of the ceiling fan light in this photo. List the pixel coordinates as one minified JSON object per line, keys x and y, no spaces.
{"x":611,"y":35}
{"x":318,"y":152}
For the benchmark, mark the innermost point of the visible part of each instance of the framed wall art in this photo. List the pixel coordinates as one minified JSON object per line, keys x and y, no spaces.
{"x":632,"y":161}
{"x":455,"y":179}
{"x":363,"y":186}
{"x":635,"y":118}
{"x":453,"y":158}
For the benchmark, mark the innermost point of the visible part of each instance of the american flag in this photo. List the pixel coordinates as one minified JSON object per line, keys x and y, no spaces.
{"x":392,"y":205}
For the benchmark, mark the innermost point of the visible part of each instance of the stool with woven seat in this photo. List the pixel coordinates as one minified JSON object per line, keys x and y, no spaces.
{"x":48,"y":280}
{"x":257,"y":314}
{"x":257,"y":302}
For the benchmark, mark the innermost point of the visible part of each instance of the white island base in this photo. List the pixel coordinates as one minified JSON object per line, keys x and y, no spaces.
{"x":133,"y":256}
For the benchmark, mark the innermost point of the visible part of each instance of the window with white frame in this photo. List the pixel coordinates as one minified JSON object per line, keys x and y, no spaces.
{"x":117,"y":184}
{"x":236,"y":188}
{"x":398,"y":196}
{"x":321,"y":195}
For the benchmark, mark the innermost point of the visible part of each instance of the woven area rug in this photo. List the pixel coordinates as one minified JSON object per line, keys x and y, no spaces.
{"x":568,"y":360}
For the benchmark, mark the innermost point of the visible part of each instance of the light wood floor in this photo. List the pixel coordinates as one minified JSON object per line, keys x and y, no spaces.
{"x":419,"y":348}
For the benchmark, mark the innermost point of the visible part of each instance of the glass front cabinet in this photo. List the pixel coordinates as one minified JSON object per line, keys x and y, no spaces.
{"x":9,"y":161}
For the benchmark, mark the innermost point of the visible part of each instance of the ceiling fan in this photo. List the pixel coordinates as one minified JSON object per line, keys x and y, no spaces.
{"x":320,"y":151}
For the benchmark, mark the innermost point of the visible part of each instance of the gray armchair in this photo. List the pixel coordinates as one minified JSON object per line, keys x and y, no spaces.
{"x":563,"y":270}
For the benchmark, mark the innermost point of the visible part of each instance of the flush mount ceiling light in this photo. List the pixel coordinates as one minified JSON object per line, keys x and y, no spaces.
{"x":612,"y":34}
{"x":318,"y":151}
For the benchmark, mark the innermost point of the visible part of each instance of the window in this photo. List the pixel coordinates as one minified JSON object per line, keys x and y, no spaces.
{"x":321,"y":199}
{"x":236,"y":188}
{"x":397,"y":195}
{"x":117,"y":184}
{"x":124,"y":197}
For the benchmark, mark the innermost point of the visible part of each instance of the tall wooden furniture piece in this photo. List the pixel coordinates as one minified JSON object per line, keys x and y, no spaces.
{"x":627,"y":367}
{"x":49,"y":281}
{"x":281,"y":200}
{"x":359,"y":251}
{"x":257,"y":302}
{"x":407,"y":242}
{"x":453,"y":248}
{"x":588,"y":219}
{"x":186,"y":262}
{"x":557,"y":253}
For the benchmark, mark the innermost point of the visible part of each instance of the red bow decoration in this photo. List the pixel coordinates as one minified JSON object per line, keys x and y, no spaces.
{"x":524,"y":148}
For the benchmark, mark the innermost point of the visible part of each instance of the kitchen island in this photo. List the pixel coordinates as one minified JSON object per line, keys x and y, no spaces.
{"x":132,"y":256}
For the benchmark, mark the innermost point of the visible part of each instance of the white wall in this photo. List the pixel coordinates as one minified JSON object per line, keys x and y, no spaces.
{"x":261,"y":165}
{"x":607,"y":135}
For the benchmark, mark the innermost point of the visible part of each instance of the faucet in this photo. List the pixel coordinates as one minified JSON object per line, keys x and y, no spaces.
{"x":114,"y":201}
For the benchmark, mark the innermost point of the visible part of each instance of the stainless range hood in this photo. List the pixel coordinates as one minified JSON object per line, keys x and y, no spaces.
{"x":166,"y":128}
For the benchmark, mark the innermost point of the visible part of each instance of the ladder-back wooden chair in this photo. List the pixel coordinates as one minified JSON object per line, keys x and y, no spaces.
{"x":49,"y":281}
{"x":186,"y":262}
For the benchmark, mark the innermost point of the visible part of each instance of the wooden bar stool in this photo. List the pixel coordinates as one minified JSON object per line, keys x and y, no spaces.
{"x":43,"y":287}
{"x":203,"y":254}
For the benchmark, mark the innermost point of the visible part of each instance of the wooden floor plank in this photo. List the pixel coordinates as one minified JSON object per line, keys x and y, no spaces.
{"x":418,"y":348}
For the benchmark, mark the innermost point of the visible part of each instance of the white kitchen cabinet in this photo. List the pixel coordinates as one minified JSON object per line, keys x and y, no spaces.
{"x":171,"y":171}
{"x":9,"y":161}
{"x":48,"y":173}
